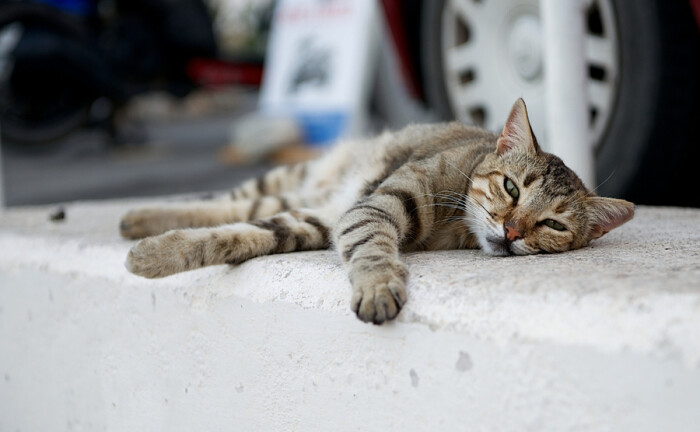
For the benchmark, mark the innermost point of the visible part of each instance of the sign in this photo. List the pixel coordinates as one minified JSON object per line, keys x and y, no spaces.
{"x":320,"y":61}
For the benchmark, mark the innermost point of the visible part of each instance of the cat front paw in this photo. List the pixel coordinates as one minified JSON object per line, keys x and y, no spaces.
{"x":378,"y":297}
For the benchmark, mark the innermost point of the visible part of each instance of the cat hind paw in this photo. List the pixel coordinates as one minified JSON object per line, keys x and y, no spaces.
{"x":150,"y":259}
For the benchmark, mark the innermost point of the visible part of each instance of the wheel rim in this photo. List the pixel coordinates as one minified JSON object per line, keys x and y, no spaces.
{"x":493,"y":53}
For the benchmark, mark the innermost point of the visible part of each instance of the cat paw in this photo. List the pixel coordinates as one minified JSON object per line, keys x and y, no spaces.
{"x":156,"y":257}
{"x":138,"y":224}
{"x":379,"y":299}
{"x":133,"y":225}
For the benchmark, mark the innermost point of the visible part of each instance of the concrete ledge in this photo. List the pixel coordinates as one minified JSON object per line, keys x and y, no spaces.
{"x":605,"y":338}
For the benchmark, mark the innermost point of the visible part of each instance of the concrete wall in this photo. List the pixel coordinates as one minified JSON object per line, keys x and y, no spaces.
{"x":606,"y":338}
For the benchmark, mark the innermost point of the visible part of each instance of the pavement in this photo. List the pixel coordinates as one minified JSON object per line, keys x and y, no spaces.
{"x":642,"y":280}
{"x":602,"y":338}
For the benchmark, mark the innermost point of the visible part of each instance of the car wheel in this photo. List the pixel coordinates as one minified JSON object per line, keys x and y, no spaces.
{"x":642,"y":57}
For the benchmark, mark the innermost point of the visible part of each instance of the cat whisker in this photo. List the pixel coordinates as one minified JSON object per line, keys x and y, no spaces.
{"x":448,"y":205}
{"x":592,"y":191}
{"x":458,"y":201}
{"x":604,"y":181}
{"x":442,"y":196}
{"x":471,"y":200}
{"x":454,"y":197}
{"x":450,"y":200}
{"x":474,"y":219}
{"x":463,"y":203}
{"x":464,"y":219}
{"x":447,"y":194}
{"x":460,"y":171}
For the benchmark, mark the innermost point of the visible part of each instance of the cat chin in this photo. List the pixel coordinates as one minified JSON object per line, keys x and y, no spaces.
{"x":519,"y":248}
{"x":494,"y":246}
{"x":496,"y":252}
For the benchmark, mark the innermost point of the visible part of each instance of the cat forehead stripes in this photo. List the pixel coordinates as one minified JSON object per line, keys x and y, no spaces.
{"x":558,"y":179}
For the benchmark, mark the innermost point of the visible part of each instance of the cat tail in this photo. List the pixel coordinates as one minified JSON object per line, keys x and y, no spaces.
{"x":182,"y":250}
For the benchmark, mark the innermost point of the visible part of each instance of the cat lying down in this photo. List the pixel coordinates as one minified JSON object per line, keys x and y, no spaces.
{"x":426,"y":187}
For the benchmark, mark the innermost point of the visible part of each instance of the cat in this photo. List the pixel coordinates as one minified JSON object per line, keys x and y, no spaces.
{"x":425,"y":187}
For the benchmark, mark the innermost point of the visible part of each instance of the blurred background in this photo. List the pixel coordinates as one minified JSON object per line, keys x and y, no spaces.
{"x":124,"y":98}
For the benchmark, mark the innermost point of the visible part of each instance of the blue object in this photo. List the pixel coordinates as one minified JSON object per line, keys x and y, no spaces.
{"x":322,"y":127}
{"x":76,"y":7}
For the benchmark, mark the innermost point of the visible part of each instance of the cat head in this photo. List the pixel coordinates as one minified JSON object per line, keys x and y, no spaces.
{"x":525,"y":201}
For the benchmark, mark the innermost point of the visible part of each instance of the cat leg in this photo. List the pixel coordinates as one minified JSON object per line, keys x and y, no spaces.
{"x":182,"y":250}
{"x":369,"y":237}
{"x":152,"y":221}
{"x":277,"y":181}
{"x":277,"y":191}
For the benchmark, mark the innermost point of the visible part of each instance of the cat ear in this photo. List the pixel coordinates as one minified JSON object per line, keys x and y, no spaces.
{"x":517,"y":131}
{"x":607,"y":214}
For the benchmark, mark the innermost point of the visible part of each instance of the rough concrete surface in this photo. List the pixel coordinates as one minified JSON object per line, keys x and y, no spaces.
{"x":603,"y":338}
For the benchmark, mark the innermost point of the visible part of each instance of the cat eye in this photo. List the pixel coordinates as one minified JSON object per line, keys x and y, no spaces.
{"x":511,"y":188}
{"x":554,"y":225}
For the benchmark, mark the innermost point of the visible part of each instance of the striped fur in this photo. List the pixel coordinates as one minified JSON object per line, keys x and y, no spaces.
{"x":426,"y":187}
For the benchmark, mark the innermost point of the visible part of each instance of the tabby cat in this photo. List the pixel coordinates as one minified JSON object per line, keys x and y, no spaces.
{"x":426,"y":187}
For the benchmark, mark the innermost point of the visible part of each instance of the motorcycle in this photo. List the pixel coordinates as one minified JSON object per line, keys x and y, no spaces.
{"x":65,"y":64}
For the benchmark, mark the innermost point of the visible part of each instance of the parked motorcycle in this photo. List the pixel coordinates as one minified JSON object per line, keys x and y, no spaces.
{"x":68,"y":63}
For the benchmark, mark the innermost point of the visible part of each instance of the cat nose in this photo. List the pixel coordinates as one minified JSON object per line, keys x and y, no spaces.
{"x":512,"y":234}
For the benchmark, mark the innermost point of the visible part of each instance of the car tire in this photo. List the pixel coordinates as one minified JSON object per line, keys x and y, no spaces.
{"x":651,"y":145}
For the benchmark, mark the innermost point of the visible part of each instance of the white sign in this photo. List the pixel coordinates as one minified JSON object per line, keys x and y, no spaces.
{"x":319,"y":65}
